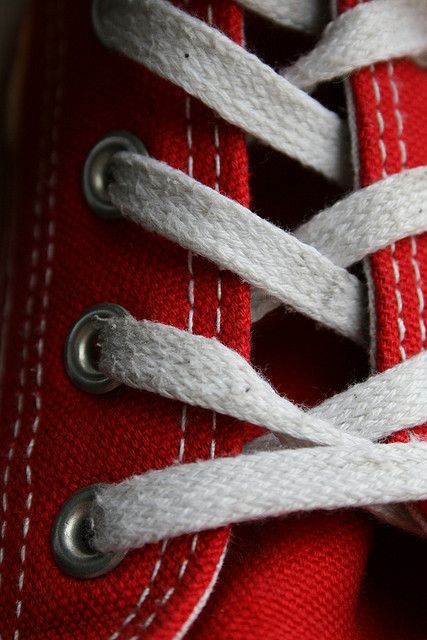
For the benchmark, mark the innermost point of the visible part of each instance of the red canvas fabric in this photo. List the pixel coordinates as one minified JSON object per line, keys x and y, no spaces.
{"x":341,"y":576}
{"x":56,"y":439}
{"x":314,"y":577}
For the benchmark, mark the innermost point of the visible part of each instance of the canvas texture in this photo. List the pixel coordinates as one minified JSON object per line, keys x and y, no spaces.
{"x":56,"y":439}
{"x":338,"y":576}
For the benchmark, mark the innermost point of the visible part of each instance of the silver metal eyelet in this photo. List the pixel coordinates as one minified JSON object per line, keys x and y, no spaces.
{"x":96,"y":171}
{"x":71,"y":539}
{"x":81,"y":349}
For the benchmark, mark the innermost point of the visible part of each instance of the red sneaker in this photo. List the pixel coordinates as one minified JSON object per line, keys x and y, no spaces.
{"x":154,"y":483}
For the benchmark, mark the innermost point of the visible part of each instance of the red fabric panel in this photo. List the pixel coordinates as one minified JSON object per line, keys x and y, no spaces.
{"x":322,"y":576}
{"x":391,"y":96}
{"x":54,"y":438}
{"x":327,"y":577}
{"x":391,"y":117}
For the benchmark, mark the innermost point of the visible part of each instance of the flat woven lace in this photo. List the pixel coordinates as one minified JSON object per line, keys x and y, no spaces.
{"x":328,"y":457}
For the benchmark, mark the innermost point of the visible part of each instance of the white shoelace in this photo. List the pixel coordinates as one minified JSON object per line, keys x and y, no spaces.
{"x":327,"y":457}
{"x":304,"y":15}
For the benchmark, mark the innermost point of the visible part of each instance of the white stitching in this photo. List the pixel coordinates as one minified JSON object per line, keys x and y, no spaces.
{"x":184,"y":565}
{"x":28,"y":310}
{"x":420,"y":295}
{"x":195,"y":538}
{"x":219,"y":281}
{"x":6,"y":476}
{"x":169,"y":593}
{"x":413,"y":239}
{"x":397,"y":114}
{"x":190,"y":290}
{"x":190,"y":168}
{"x":144,"y":595}
{"x":395,"y":263}
{"x":415,"y":265}
{"x":38,"y":208}
{"x":183,"y":425}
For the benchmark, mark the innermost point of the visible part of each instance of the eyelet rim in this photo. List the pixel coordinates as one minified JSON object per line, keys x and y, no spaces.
{"x":78,"y":366}
{"x":93,"y":178}
{"x":71,"y":553}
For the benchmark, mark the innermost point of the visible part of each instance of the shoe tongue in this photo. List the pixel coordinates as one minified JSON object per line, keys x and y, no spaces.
{"x":305,"y":362}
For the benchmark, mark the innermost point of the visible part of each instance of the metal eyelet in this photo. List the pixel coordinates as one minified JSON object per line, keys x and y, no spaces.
{"x":80,"y":352}
{"x":96,"y":171}
{"x":71,"y":539}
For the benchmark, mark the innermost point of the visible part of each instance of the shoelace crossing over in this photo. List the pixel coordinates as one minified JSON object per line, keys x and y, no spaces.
{"x":327,"y":457}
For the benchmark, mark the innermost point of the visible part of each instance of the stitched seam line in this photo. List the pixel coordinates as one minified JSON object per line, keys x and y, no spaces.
{"x":219,"y":281}
{"x":403,"y":158}
{"x":195,"y":538}
{"x":6,"y":477}
{"x":183,"y":568}
{"x":184,"y":565}
{"x":27,"y":318}
{"x":420,"y":294}
{"x":47,"y":277}
{"x":184,"y":415}
{"x":183,"y":425}
{"x":413,"y":239}
{"x":394,"y":261}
